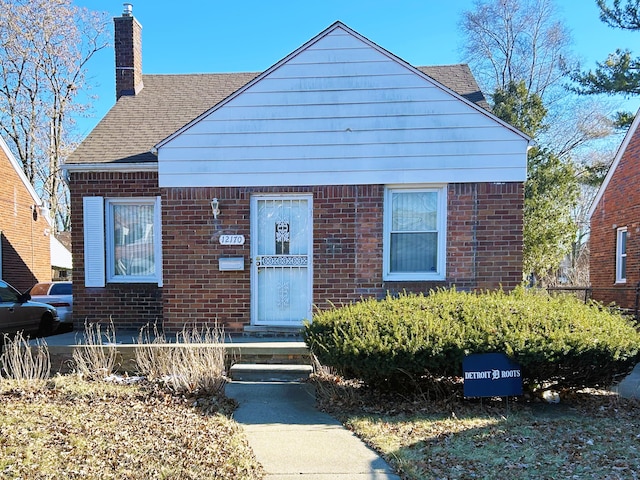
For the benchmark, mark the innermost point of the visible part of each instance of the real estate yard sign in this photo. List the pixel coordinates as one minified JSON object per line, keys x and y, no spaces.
{"x":491,"y":375}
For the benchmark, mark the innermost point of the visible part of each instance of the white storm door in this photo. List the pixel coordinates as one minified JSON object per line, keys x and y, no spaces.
{"x":281,"y":253}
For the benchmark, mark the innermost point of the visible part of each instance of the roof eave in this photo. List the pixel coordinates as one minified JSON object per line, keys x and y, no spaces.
{"x":621,"y":150}
{"x":110,"y":167}
{"x":16,"y":166}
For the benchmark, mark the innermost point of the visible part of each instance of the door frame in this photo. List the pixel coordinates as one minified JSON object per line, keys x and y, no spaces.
{"x":254,"y":246}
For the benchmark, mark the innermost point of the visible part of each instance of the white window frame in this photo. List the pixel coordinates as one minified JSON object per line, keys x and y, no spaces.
{"x":111,"y":276}
{"x":440,"y":273}
{"x":621,"y":277}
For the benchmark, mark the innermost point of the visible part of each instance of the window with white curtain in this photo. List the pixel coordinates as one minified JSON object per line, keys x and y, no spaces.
{"x":132,"y":240}
{"x":621,"y":255}
{"x":415,"y":222}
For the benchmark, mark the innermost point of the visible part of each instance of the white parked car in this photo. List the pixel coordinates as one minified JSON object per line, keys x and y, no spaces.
{"x":58,"y":295}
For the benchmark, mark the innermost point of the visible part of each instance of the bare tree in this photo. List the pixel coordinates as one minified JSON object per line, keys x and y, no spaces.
{"x":509,"y":41}
{"x":512,"y":41}
{"x":576,"y":122}
{"x":524,"y":42}
{"x":44,"y":48}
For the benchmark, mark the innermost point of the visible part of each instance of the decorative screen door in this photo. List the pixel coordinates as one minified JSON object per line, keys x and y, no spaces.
{"x":281,"y":269}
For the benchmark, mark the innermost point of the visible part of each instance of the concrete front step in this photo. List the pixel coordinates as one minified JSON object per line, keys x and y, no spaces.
{"x":269,"y":372}
{"x":268,"y":352}
{"x":262,"y":331}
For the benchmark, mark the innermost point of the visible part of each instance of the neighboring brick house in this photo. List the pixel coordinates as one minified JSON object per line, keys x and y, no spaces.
{"x":340,"y":172}
{"x":614,"y":242}
{"x":25,"y":233}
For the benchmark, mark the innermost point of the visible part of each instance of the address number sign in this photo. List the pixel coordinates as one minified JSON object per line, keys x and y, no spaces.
{"x":231,"y":239}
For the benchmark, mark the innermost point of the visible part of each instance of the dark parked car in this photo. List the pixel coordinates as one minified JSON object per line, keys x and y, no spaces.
{"x":18,"y":313}
{"x":56,"y":294}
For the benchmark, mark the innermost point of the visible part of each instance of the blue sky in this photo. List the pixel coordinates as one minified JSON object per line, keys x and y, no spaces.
{"x":203,"y":36}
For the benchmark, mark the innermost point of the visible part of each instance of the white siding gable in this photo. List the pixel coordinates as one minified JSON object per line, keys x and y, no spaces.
{"x":341,"y":110}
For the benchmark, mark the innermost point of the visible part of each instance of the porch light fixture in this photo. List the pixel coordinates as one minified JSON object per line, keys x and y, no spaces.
{"x":215,"y":208}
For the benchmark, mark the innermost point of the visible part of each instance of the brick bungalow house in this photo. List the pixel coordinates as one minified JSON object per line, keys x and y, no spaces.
{"x":251,"y":198}
{"x":25,"y":232}
{"x":614,"y":267}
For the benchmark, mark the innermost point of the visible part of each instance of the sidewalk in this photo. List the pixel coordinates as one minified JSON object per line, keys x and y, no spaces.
{"x":292,"y":439}
{"x":629,"y":387}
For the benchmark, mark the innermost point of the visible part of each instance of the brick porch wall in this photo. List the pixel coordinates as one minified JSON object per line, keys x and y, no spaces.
{"x":619,"y":206}
{"x":484,"y":248}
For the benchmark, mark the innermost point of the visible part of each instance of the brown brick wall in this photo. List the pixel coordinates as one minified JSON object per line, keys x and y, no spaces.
{"x":484,"y":238}
{"x":619,"y":206}
{"x":130,"y":306}
{"x":26,"y":250}
{"x":195,"y":292}
{"x":484,"y":247}
{"x":499,"y":237}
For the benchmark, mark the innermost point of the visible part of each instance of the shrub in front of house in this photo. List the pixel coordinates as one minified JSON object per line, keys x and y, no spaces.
{"x":406,"y":340}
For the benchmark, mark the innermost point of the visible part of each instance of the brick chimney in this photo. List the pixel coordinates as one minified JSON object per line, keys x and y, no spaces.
{"x":128,"y":48}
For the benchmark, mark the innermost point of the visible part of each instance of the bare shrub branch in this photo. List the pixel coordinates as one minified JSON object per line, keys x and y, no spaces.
{"x":25,"y":363}
{"x":96,"y":359}
{"x":194,"y":363}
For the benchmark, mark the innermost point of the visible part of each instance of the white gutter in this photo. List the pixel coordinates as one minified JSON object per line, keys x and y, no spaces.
{"x":110,"y":167}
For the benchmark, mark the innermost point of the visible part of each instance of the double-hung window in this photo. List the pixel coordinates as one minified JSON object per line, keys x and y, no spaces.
{"x":621,"y":255}
{"x":414,"y":233}
{"x":131,"y":245}
{"x":122,"y":240}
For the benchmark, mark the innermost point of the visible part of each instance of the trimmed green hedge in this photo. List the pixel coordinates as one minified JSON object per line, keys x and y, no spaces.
{"x":402,"y":340}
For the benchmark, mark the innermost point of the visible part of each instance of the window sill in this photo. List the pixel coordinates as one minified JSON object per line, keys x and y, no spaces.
{"x":413,"y":278}
{"x":137,"y":280}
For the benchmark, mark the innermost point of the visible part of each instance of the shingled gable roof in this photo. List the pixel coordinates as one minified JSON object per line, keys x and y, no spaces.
{"x":169,"y":103}
{"x":135,"y":124}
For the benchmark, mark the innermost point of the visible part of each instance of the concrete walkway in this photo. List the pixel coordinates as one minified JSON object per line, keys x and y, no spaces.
{"x":292,"y":439}
{"x":629,"y":387}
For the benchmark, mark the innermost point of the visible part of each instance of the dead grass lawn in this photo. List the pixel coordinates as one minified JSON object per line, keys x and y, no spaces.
{"x":590,"y":435}
{"x":96,"y":430}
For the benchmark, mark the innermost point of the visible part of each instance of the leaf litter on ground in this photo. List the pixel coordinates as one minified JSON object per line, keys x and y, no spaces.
{"x":73,"y":428}
{"x":590,"y":434}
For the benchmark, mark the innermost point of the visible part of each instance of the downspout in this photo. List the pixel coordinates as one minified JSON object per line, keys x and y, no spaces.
{"x":33,"y":247}
{"x":474,"y":227}
{"x":637,"y":306}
